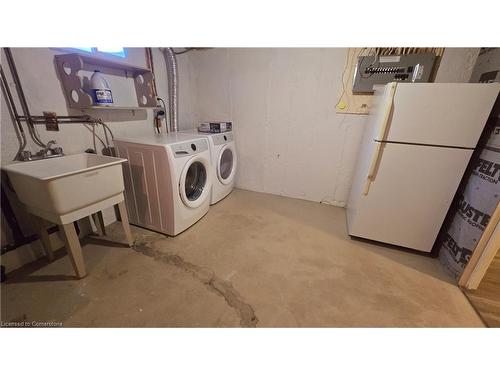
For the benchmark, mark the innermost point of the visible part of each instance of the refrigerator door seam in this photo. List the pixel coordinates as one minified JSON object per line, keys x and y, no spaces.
{"x":425,"y":144}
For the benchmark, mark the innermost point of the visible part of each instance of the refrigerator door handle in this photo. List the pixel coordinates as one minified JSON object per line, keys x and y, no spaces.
{"x":381,"y":136}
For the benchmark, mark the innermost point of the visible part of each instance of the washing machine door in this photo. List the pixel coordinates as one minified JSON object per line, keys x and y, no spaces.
{"x":195,"y":183}
{"x":226,"y":164}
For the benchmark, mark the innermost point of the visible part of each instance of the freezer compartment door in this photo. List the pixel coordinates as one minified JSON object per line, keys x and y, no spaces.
{"x":448,"y":114}
{"x":409,"y":196}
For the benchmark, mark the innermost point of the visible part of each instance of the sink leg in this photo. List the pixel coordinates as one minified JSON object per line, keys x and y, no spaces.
{"x":99,"y":223}
{"x":41,"y":229}
{"x":74,"y":249}
{"x":126,"y":226}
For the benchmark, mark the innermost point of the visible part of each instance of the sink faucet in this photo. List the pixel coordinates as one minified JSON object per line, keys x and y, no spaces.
{"x":48,"y":150}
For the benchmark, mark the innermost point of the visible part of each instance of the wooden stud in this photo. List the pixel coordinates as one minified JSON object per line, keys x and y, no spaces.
{"x":74,"y":249}
{"x":125,"y":223}
{"x":475,"y":265}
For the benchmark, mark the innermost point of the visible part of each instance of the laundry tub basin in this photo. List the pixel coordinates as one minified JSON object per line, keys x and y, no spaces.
{"x":64,"y":184}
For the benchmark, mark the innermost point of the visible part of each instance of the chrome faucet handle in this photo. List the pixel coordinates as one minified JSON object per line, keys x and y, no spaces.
{"x":57,"y":150}
{"x":50,"y":143}
{"x":48,"y":147}
{"x":24,"y":155}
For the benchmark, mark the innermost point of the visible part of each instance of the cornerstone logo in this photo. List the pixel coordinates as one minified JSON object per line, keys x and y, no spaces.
{"x":33,"y":323}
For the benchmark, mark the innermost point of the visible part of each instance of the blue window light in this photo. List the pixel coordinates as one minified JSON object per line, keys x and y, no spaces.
{"x":85,"y":49}
{"x":115,"y":51}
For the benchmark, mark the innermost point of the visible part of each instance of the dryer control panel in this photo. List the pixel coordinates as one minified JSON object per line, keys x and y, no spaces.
{"x":220,"y":139}
{"x":189,"y":148}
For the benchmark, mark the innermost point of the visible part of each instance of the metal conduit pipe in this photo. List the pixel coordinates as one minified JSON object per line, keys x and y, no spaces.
{"x":13,"y":109}
{"x":171,"y":78}
{"x":173,"y":85}
{"x":22,"y":98}
{"x":167,"y":55}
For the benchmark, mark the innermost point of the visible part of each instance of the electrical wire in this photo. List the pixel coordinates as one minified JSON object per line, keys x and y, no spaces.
{"x":349,"y":62}
{"x":164,"y":110}
{"x":387,"y":51}
{"x":374,"y":59}
{"x":164,"y":105}
{"x":343,"y":74}
{"x":361,"y":73}
{"x":186,"y":50}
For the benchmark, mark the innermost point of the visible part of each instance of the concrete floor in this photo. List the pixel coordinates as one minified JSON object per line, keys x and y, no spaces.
{"x":254,"y":260}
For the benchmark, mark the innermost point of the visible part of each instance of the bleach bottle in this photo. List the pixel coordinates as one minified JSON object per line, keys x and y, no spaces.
{"x":101,"y":93}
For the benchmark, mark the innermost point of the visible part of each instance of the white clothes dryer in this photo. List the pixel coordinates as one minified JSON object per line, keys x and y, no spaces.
{"x":224,"y":162}
{"x":168,"y":180}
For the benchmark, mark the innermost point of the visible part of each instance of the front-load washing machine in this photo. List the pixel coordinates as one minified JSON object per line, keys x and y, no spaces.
{"x":168,"y":180}
{"x":224,"y":160}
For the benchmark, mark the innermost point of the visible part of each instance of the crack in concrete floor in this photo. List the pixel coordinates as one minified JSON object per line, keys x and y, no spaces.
{"x":206,"y":276}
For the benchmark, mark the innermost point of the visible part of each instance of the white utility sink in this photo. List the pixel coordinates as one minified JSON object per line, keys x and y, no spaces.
{"x":68,"y":183}
{"x":65,"y":189}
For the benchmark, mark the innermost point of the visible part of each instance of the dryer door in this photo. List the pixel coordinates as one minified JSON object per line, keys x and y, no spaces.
{"x":226,"y":164}
{"x":195,"y":182}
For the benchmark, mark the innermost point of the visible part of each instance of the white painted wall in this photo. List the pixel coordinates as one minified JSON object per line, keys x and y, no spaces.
{"x":290,"y":139}
{"x":457,"y":65}
{"x":44,"y":93}
{"x":282,"y":102}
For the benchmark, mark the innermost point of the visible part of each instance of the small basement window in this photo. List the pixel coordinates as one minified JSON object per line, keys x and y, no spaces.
{"x":115,"y":51}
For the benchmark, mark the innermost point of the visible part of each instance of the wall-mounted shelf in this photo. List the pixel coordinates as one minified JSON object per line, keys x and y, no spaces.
{"x":98,"y":107}
{"x":77,"y":95}
{"x":104,"y":63}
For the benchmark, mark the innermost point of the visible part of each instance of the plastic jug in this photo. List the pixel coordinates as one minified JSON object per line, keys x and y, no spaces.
{"x":101,"y":93}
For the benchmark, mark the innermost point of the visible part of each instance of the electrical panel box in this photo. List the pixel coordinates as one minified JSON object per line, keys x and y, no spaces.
{"x":379,"y":70}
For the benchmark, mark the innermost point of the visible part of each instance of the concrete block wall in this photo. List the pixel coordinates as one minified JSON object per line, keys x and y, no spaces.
{"x":290,"y":140}
{"x":44,"y":93}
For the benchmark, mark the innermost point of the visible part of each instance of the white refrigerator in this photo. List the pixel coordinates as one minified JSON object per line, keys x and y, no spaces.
{"x":418,"y":140}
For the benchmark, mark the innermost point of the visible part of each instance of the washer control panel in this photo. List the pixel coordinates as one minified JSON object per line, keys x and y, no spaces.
{"x":220,"y":139}
{"x":189,"y":148}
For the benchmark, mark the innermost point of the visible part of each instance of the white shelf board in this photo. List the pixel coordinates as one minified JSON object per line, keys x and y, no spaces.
{"x":113,"y":107}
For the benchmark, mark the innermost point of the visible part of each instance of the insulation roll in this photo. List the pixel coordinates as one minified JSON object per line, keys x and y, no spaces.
{"x":474,"y":207}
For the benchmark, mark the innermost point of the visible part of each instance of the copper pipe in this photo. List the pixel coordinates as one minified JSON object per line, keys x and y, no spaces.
{"x":11,"y":105}
{"x":22,"y":97}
